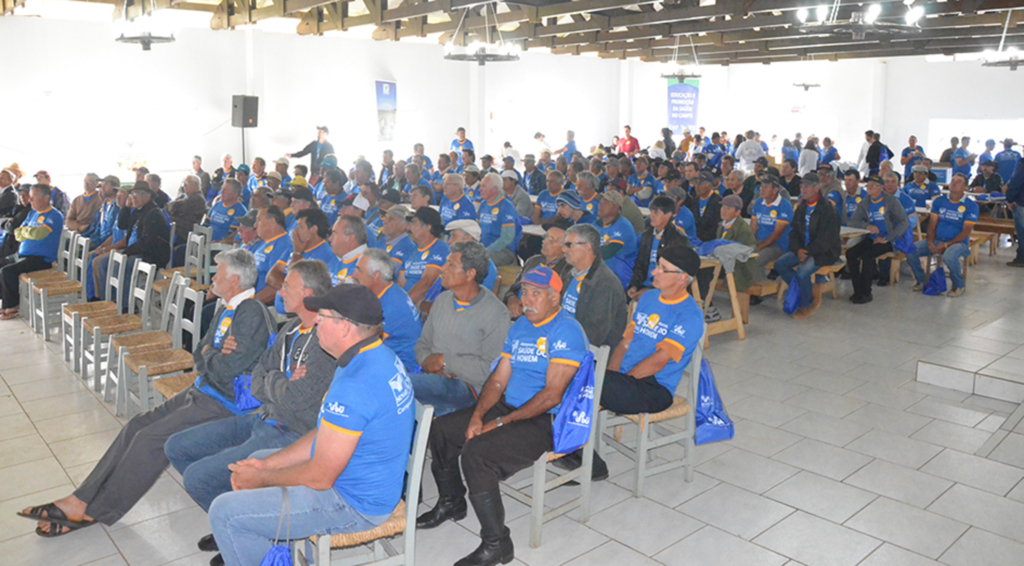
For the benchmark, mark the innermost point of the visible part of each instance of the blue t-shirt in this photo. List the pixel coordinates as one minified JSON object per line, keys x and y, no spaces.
{"x":223,"y":218}
{"x":433,"y":255}
{"x":908,"y":169}
{"x":546,"y":202}
{"x":461,"y":209}
{"x":108,"y":219}
{"x":684,"y":221}
{"x":495,"y":216}
{"x":715,"y":153}
{"x":331,"y":206}
{"x":647,"y":180}
{"x":620,"y":232}
{"x":921,"y":194}
{"x":876,"y":216}
{"x":402,"y":325}
{"x":531,"y":347}
{"x":289,"y":221}
{"x":961,"y":153}
{"x":1006,"y":162}
{"x":422,"y":183}
{"x":458,"y":146}
{"x":828,"y":155}
{"x":852,"y":202}
{"x":655,"y":242}
{"x":570,"y":149}
{"x":341,"y":269}
{"x":47,"y":247}
{"x":768,"y":216}
{"x":953,"y":216}
{"x":675,"y":327}
{"x":590,"y":206}
{"x":908,"y":205}
{"x":400,"y":249}
{"x":268,"y":254}
{"x":322,"y":252}
{"x":572,"y":294}
{"x":372,"y":398}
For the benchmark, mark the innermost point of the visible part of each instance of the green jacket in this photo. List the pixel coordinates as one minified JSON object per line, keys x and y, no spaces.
{"x":739,"y":232}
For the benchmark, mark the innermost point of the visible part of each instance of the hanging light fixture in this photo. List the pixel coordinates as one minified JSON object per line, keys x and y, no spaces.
{"x":493,"y":50}
{"x":860,"y":24}
{"x":1005,"y":56}
{"x":141,"y":29}
{"x":681,"y":72}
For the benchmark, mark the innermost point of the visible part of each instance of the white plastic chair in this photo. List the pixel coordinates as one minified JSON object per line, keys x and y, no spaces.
{"x":62,"y":270}
{"x":403,"y":519}
{"x":46,"y":297}
{"x":72,"y":315}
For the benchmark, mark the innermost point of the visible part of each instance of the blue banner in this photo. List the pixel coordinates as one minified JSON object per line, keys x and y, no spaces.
{"x":387,"y":109}
{"x":682,"y":104}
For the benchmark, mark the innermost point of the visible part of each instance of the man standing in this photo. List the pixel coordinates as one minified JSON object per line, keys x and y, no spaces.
{"x":814,"y":242}
{"x":627,"y":143}
{"x":748,"y":152}
{"x":346,"y":475}
{"x":911,"y":156}
{"x":1006,"y":160}
{"x":1015,"y":198}
{"x":204,"y":177}
{"x":83,"y":216}
{"x":460,"y":143}
{"x":511,"y":424}
{"x":962,"y":160}
{"x":885,"y":220}
{"x":462,"y":336}
{"x":952,"y":220}
{"x":317,"y":150}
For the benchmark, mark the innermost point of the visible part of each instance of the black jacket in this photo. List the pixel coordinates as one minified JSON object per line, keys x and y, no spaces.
{"x":18,"y":216}
{"x":154,"y":230}
{"x":826,"y":246}
{"x":601,"y":307}
{"x":707,"y":225}
{"x":643,"y":257}
{"x":315,"y":158}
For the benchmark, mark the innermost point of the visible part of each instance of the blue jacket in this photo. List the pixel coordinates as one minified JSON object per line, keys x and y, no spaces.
{"x":1015,"y":187}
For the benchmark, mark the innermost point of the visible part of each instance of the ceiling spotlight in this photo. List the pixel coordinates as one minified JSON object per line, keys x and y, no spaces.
{"x":914,"y":14}
{"x":874,"y":11}
{"x":822,"y":13}
{"x":802,"y":14}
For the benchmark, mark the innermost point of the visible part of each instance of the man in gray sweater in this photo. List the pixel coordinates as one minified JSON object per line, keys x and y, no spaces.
{"x":136,"y":458}
{"x":463,"y":335}
{"x":290,"y":381}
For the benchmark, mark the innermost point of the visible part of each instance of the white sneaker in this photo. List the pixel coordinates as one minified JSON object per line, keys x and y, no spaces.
{"x":918,"y":287}
{"x":955,"y":292}
{"x":712,"y":315}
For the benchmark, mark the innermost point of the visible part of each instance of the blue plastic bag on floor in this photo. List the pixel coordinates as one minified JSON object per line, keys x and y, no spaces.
{"x":571,"y":429}
{"x":792,"y":299}
{"x":936,"y":284}
{"x":713,"y":423}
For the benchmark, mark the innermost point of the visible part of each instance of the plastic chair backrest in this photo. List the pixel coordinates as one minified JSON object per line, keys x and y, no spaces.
{"x":601,"y":355}
{"x":207,"y":233}
{"x":115,"y":279}
{"x":65,"y":250}
{"x":80,"y":260}
{"x":414,"y":471}
{"x":141,"y":296}
{"x":693,"y":371}
{"x":186,"y":324}
{"x":170,"y":257}
{"x":169,"y":317}
{"x":194,"y":255}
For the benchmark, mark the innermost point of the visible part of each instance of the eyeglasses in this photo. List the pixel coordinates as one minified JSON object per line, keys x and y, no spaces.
{"x":571,"y":244}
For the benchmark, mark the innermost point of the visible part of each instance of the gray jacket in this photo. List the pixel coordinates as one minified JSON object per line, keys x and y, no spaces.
{"x":249,"y":326}
{"x":601,"y":307}
{"x":896,"y":221}
{"x":470,"y":340}
{"x":521,"y":200}
{"x":293,"y":403}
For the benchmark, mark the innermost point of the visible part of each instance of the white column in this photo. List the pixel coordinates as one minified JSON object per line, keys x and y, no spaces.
{"x":478,"y":123}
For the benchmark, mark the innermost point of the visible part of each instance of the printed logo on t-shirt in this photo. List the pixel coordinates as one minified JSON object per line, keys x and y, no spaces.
{"x":336,"y":409}
{"x":268,"y":249}
{"x":773,"y":214}
{"x":650,"y":325}
{"x":231,"y":212}
{"x":542,"y":346}
{"x":962,"y":209}
{"x":652,"y":321}
{"x":401,"y":388}
{"x":425,"y":254}
{"x":494,"y":211}
{"x":456,"y":207}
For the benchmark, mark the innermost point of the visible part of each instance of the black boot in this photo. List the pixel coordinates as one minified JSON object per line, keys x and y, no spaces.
{"x":574,"y":460}
{"x":208,"y":544}
{"x":496,"y":546}
{"x":451,"y":501}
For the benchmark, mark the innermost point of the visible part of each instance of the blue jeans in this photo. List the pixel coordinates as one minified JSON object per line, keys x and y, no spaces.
{"x":950,"y":257}
{"x":446,"y":394}
{"x":1018,"y":223}
{"x":245,"y":522}
{"x":201,"y":454}
{"x":789,"y":266}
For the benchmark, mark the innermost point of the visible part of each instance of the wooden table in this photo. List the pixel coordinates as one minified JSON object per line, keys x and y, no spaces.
{"x":643,"y":209}
{"x":725,"y":325}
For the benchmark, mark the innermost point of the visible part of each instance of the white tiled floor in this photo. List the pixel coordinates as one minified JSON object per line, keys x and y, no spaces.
{"x":840,"y":457}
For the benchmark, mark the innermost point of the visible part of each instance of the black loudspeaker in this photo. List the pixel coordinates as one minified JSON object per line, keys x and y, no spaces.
{"x":244,"y":111}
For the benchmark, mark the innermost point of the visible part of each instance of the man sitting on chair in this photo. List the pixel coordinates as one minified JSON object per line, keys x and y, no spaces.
{"x":502,"y":435}
{"x":40,"y":237}
{"x":290,"y":380}
{"x":952,"y":220}
{"x":136,"y":459}
{"x":346,"y":475}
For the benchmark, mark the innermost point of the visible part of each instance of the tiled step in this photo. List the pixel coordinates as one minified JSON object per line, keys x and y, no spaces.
{"x":1001,"y":379}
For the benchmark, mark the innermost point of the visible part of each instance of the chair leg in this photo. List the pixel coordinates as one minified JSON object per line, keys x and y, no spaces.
{"x":537,"y":508}
{"x":643,"y":442}
{"x":585,"y":480}
{"x":64,"y":348}
{"x":323,"y":551}
{"x":143,"y":377}
{"x":97,"y":353}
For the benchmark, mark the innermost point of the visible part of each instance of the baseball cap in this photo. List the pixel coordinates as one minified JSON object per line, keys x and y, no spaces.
{"x":544,"y":278}
{"x":826,"y":166}
{"x":507,"y":174}
{"x":274,"y":175}
{"x":614,"y":197}
{"x":303,"y":193}
{"x":243,"y":168}
{"x":705,"y":177}
{"x":324,"y":129}
{"x":919,"y":169}
{"x":112,"y":180}
{"x":298,"y":182}
{"x":282,"y":161}
{"x":682,"y":257}
{"x":570,"y":199}
{"x":361,"y":203}
{"x":352,"y":301}
{"x":769,"y":179}
{"x":733,"y":201}
{"x":142,"y":186}
{"x":329,"y":162}
{"x":874,"y":179}
{"x":391,"y":196}
{"x":509,"y":159}
{"x":249,"y":219}
{"x":811,"y":178}
{"x":761,"y":161}
{"x":468,"y":226}
{"x":284,"y":193}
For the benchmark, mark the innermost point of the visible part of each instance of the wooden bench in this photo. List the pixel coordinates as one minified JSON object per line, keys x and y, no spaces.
{"x":994,"y":226}
{"x":828,"y":286}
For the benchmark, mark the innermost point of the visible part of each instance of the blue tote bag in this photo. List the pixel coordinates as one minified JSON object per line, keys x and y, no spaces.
{"x":792,"y":300}
{"x":280,"y":554}
{"x":713,"y":423}
{"x":936,"y":284}
{"x":571,"y":429}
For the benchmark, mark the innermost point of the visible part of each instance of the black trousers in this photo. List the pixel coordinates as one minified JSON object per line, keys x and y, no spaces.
{"x":627,"y":395}
{"x":11,"y":267}
{"x":491,"y":457}
{"x":704,"y":277}
{"x":863,"y":268}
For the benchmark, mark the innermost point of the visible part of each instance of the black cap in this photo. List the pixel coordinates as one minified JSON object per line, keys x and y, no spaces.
{"x":249,"y":219}
{"x":284,"y":193}
{"x":761,"y":161}
{"x":324,"y":128}
{"x":769,"y":179}
{"x":560,"y":223}
{"x":303,"y":193}
{"x":392,"y":196}
{"x":681,"y":256}
{"x":706,"y":177}
{"x":874,"y":179}
{"x":352,"y":301}
{"x":142,"y":186}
